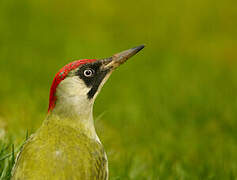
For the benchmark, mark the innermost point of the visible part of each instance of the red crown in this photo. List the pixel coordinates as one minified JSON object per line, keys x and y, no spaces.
{"x":60,"y":76}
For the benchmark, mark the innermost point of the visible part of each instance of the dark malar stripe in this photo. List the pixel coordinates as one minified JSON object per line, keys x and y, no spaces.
{"x":97,"y":83}
{"x":94,"y":81}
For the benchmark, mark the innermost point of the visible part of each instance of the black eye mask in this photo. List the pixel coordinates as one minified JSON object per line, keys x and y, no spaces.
{"x":95,"y":79}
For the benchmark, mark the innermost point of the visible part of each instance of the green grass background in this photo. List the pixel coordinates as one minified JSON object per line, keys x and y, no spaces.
{"x":169,"y":113}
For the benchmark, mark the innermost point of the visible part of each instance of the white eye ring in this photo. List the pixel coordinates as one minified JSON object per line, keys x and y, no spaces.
{"x":88,"y":72}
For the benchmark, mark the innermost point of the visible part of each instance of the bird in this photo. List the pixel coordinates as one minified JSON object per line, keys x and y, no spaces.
{"x":66,"y":146}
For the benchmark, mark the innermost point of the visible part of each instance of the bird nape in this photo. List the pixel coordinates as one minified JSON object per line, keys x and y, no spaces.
{"x":66,"y":146}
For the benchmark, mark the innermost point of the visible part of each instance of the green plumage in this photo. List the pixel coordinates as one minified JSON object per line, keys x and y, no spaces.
{"x":66,"y":147}
{"x":60,"y":150}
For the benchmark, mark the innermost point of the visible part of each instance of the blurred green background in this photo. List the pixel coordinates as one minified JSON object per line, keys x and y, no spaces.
{"x":169,"y":113}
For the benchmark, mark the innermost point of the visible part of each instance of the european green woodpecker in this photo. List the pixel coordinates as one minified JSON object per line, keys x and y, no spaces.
{"x":66,"y":146}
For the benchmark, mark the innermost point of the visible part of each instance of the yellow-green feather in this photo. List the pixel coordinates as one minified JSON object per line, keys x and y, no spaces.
{"x":61,"y":150}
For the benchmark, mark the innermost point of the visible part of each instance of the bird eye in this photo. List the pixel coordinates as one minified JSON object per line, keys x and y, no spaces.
{"x":88,"y":72}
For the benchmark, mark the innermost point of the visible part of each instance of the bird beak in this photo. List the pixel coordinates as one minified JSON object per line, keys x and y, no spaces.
{"x":116,"y":60}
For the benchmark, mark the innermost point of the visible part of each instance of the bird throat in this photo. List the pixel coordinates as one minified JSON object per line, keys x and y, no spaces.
{"x":82,"y":124}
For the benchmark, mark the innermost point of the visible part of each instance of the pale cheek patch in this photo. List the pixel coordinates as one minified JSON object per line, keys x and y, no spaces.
{"x":72,"y":97}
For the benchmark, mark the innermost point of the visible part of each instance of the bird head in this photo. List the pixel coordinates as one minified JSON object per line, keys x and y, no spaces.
{"x":77,"y":84}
